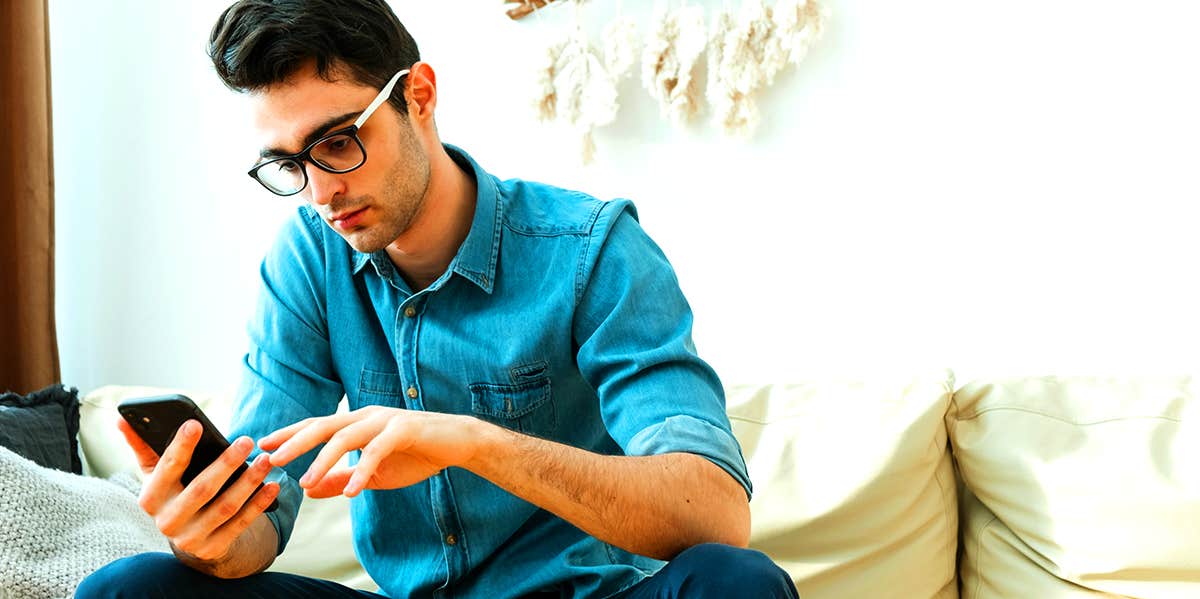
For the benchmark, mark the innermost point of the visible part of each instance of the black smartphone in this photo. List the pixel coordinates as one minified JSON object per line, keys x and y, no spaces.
{"x":156,"y":420}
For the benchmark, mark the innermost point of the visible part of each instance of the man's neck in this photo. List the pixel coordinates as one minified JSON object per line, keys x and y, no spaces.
{"x":441,"y":225}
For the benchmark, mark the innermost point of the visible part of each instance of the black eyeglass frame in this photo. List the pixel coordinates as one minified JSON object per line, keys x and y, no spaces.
{"x":306,"y":154}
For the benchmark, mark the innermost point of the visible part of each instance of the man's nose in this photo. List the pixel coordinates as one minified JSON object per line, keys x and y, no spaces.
{"x":323,"y":186}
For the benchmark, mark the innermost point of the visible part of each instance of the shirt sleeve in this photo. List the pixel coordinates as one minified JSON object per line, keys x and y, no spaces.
{"x":287,"y":373}
{"x":633,"y":328}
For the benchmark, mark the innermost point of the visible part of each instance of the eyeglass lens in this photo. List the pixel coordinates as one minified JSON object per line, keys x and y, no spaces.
{"x":338,"y":153}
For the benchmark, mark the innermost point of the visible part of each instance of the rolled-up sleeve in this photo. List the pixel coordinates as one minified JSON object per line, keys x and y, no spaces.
{"x":633,"y":328}
{"x":287,"y":373}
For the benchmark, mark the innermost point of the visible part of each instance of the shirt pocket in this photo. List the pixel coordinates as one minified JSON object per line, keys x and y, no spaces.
{"x":526,"y":406}
{"x":378,"y":388}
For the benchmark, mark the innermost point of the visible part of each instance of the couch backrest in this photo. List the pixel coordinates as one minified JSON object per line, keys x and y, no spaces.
{"x":854,"y":491}
{"x":1079,"y":487}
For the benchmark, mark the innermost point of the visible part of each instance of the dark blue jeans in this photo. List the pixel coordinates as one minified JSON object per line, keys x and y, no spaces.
{"x":703,"y":571}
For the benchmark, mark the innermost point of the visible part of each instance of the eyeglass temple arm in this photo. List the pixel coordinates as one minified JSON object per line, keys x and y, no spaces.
{"x":384,"y":94}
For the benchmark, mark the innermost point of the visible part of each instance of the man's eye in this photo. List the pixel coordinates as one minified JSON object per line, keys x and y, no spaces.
{"x":286,"y":166}
{"x":338,"y":144}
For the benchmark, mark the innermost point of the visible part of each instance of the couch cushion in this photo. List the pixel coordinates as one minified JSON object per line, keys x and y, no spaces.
{"x":42,"y":427}
{"x":321,"y":545}
{"x":1085,"y":486}
{"x":854,"y":493}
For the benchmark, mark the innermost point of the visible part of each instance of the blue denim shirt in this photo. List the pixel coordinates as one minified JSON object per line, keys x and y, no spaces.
{"x":558,"y":318}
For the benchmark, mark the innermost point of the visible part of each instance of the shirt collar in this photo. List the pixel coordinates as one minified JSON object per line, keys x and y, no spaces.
{"x":360,"y":260}
{"x":476,"y":258}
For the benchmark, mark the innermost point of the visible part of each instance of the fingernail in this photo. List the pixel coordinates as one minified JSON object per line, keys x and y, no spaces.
{"x":244,"y":443}
{"x":193,"y":427}
{"x":304,"y":480}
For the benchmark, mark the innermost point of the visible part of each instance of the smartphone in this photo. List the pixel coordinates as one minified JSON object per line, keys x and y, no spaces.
{"x":156,"y":420}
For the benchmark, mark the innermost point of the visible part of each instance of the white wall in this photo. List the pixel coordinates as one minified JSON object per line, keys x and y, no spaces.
{"x":988,"y":187}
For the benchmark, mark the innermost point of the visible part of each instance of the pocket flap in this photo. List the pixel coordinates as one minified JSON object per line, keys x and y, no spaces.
{"x":509,"y":401}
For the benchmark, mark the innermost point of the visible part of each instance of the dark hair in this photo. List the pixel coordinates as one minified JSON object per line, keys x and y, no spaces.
{"x":258,"y":43}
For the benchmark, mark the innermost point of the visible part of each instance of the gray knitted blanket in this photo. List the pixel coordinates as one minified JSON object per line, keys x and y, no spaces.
{"x":57,"y":527}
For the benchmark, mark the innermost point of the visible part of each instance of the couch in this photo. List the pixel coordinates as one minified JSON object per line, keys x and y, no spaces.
{"x":909,"y":486}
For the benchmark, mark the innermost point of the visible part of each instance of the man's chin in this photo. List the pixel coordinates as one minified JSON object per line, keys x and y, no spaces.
{"x":368,"y":239}
{"x":361,"y":242}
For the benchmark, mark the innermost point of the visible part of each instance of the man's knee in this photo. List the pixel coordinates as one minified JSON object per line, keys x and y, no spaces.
{"x":717,"y":568}
{"x":137,"y":575}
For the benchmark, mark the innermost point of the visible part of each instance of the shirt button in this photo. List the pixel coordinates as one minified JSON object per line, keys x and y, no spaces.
{"x":412,"y":392}
{"x":410,"y":312}
{"x":450,"y":540}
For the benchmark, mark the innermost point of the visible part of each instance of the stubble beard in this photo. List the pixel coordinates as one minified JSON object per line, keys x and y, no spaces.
{"x":404,"y":195}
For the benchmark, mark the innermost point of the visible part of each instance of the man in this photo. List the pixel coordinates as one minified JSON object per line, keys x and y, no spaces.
{"x":527,"y":412}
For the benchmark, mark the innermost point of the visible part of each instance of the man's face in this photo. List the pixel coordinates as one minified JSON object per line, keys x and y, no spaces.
{"x":373,"y":205}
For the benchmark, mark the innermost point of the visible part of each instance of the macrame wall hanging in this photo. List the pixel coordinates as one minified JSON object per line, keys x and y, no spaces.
{"x":742,"y":51}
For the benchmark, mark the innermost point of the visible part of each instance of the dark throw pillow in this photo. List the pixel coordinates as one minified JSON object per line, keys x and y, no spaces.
{"x":43,"y":427}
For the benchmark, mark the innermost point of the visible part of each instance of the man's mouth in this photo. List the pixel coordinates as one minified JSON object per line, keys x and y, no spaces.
{"x":348,"y":219}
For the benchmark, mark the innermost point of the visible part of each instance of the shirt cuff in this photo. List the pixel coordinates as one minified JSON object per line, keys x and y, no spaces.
{"x":289,"y":498}
{"x":688,"y":434}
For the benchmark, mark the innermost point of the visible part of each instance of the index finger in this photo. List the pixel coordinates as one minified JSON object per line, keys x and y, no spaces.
{"x":305,"y":435}
{"x":178,"y":455}
{"x":277,"y":438}
{"x":164,"y":482}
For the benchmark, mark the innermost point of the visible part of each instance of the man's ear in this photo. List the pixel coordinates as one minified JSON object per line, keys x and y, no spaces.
{"x":421,"y":92}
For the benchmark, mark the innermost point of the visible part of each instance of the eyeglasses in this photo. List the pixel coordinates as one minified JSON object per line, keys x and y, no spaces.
{"x":338,"y":152}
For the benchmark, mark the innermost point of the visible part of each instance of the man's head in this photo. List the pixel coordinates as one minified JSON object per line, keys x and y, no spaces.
{"x":311,"y":67}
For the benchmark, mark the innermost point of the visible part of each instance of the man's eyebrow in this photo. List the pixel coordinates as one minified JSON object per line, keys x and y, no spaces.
{"x":316,"y":134}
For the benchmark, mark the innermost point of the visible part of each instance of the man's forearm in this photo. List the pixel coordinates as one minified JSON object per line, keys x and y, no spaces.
{"x":650,"y":505}
{"x":252,"y":552}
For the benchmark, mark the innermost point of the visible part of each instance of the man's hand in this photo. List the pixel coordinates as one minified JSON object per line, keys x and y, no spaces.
{"x":399,"y":448}
{"x":654,"y":505}
{"x":196,"y":524}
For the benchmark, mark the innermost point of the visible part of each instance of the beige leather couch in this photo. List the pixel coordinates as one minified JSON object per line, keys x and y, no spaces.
{"x":912,"y":486}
